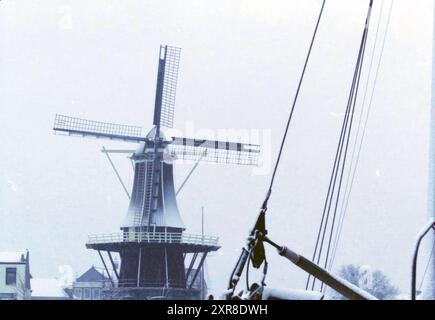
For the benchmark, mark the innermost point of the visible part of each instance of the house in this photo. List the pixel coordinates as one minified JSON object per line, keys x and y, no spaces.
{"x":49,"y":289}
{"x":90,"y":285}
{"x":15,"y":276}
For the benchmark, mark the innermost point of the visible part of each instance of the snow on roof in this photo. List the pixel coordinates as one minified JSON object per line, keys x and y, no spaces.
{"x":17,"y":256}
{"x":92,"y":275}
{"x":291,"y":294}
{"x":47,"y":287}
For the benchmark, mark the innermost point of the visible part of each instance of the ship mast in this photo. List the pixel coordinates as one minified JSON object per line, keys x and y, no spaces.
{"x":429,"y":288}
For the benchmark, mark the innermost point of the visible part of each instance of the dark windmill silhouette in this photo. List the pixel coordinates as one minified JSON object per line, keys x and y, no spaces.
{"x":153,"y":245}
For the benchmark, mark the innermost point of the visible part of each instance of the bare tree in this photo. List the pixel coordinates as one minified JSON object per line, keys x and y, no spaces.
{"x":374,"y":282}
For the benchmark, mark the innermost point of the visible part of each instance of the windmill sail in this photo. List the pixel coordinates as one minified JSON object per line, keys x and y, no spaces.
{"x":96,"y":129}
{"x":167,"y":77}
{"x":215,"y":151}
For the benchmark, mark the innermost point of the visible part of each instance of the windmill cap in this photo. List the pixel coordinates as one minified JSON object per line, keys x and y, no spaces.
{"x":140,"y":151}
{"x":152,"y":134}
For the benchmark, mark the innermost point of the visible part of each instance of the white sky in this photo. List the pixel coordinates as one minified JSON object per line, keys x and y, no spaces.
{"x":241,"y":61}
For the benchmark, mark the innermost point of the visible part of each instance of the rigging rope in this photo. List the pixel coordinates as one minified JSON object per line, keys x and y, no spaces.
{"x":269,"y":192}
{"x":427,"y":266}
{"x":340,"y":158}
{"x":345,"y":202}
{"x":346,"y":190}
{"x":240,"y":264}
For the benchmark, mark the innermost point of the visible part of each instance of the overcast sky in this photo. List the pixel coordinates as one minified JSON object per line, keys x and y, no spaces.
{"x":240,"y":64}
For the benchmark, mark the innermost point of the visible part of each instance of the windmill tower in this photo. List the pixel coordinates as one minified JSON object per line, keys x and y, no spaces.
{"x":152,"y":244}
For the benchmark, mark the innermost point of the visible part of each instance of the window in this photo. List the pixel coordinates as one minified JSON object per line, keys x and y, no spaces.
{"x":96,"y":293}
{"x":11,"y":276}
{"x":87,"y":293}
{"x":78,"y":293}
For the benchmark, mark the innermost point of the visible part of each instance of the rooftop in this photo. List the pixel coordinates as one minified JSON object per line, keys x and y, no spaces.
{"x":92,"y":275}
{"x":13,"y":256}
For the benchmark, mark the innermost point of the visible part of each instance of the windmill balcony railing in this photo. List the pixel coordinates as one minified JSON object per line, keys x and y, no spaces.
{"x":153,"y":237}
{"x":129,"y":283}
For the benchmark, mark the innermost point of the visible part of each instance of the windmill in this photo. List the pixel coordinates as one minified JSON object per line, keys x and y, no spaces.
{"x":152,"y":244}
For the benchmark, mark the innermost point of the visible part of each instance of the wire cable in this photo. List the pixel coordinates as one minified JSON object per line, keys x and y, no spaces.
{"x":345,"y":132}
{"x":346,"y":190}
{"x":241,"y":263}
{"x":269,"y":192}
{"x":343,"y":215}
